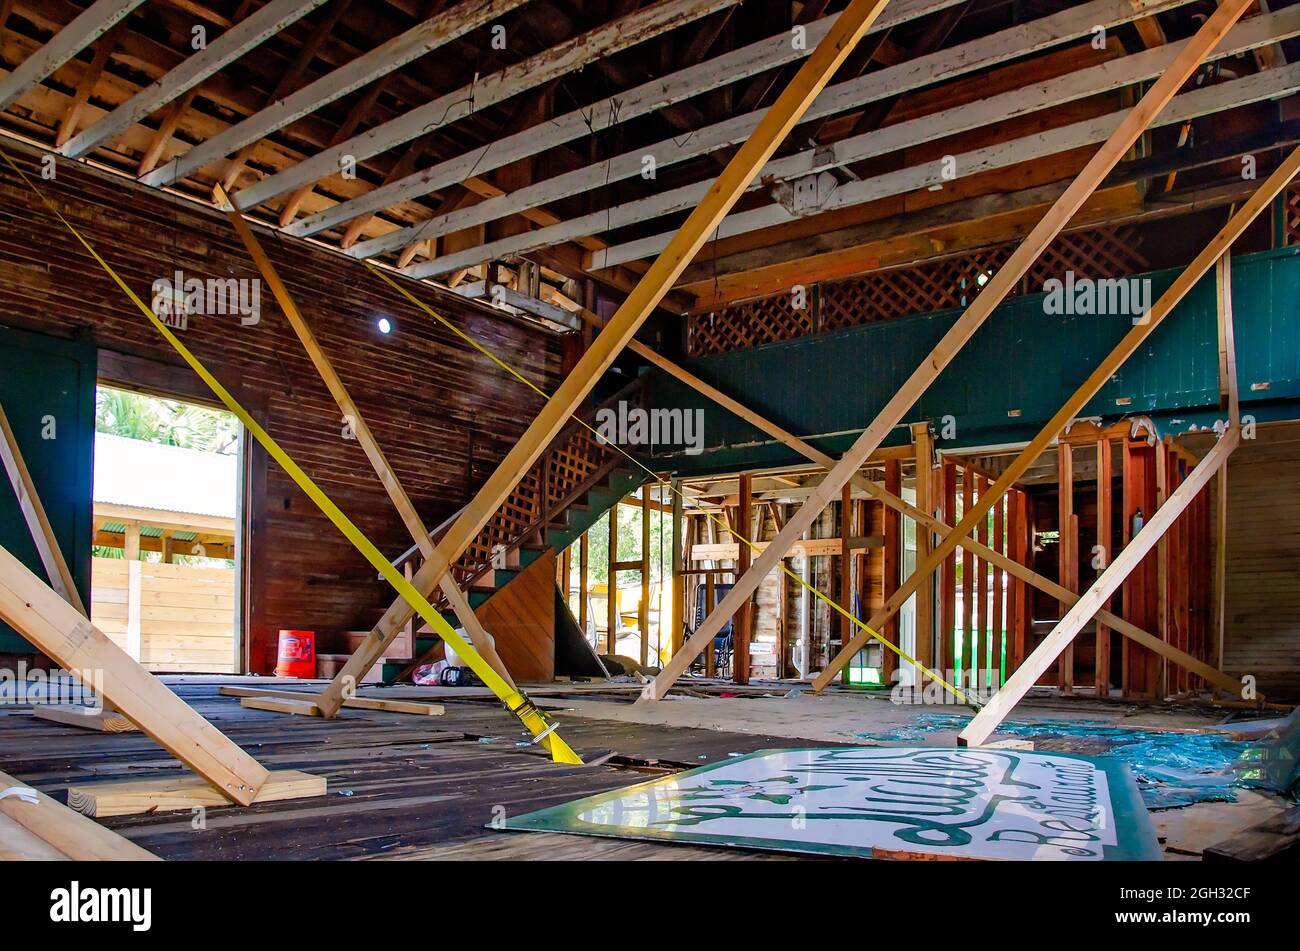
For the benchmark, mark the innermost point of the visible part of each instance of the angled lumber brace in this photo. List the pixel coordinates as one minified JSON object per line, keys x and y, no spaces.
{"x":59,"y":574}
{"x":940,"y":528}
{"x":361,"y":430}
{"x":90,"y":25}
{"x":649,"y":291}
{"x":38,"y":613}
{"x":377,"y":63}
{"x":1185,"y":281}
{"x":1045,"y":654}
{"x":961,"y":331}
{"x":247,"y":34}
{"x":29,"y":502}
{"x":69,"y":834}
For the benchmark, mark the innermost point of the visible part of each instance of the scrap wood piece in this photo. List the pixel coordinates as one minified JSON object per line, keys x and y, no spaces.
{"x":53,"y":626}
{"x":303,"y":708}
{"x":103,"y":719}
{"x":1268,"y":840}
{"x":182,"y":792}
{"x":873,"y":802}
{"x":387,"y":705}
{"x":62,"y":832}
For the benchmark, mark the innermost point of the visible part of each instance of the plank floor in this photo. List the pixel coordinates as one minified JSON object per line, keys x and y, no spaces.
{"x":400,"y":786}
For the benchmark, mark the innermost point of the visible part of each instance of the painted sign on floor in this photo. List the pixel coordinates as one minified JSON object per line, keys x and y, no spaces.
{"x":881,"y":801}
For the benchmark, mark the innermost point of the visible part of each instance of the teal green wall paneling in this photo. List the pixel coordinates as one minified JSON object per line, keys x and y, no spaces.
{"x":44,"y":378}
{"x":830,"y":385}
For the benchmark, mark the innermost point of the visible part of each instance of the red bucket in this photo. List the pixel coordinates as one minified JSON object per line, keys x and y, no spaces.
{"x":297,"y":655}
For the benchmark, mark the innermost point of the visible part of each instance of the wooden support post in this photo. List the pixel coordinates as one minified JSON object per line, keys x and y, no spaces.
{"x":948,"y":577}
{"x":969,"y":562}
{"x":583,"y":572}
{"x":347,"y":679}
{"x":744,"y":620}
{"x":611,"y":633}
{"x":771,"y":130}
{"x":843,"y":627}
{"x":1105,"y":530}
{"x":679,"y":580}
{"x":1067,"y":546}
{"x":53,"y":626}
{"x":1162,"y":567}
{"x":995,"y":711}
{"x":980,"y":642}
{"x":998,"y":615}
{"x":923,"y":447}
{"x":893,"y":561}
{"x":643,"y":605}
{"x":1019,"y":533}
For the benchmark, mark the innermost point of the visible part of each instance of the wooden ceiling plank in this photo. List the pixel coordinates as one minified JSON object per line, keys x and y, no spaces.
{"x":248,"y":34}
{"x":85,"y":29}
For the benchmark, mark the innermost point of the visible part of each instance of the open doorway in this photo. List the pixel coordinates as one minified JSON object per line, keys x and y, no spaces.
{"x":167,"y":509}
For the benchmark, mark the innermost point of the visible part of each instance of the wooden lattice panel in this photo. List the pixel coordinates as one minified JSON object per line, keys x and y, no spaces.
{"x":921,"y":288}
{"x":1291,"y":214}
{"x":918,"y":289}
{"x":1096,"y":253}
{"x":750,"y":324}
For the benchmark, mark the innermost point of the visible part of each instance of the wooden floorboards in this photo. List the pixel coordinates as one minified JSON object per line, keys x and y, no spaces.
{"x":400,"y":786}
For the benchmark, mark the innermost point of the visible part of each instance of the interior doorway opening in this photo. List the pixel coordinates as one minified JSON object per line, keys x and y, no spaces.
{"x":166,"y":565}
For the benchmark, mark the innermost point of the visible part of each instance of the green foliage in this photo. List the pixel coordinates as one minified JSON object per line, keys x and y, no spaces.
{"x":629,"y":546}
{"x":136,"y":416}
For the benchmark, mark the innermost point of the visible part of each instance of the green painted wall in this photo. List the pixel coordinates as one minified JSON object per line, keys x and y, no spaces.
{"x":830,"y":385}
{"x":44,"y":379}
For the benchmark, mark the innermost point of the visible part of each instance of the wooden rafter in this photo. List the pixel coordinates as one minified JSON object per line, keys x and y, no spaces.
{"x":382,"y":60}
{"x":89,"y":26}
{"x":249,"y":33}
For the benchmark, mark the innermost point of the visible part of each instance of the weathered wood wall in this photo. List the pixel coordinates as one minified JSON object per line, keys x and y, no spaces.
{"x":443,"y":412}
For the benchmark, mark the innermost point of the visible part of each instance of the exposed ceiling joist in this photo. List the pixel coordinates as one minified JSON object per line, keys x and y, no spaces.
{"x":248,"y":34}
{"x":445,"y":109}
{"x":379,"y":62}
{"x":90,"y":25}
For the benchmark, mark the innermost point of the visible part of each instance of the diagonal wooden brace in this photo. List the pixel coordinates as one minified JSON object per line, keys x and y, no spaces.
{"x":1045,"y":654}
{"x":1001,"y":284}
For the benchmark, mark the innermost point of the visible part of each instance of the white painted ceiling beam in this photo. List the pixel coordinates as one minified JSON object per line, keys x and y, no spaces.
{"x":247,"y":34}
{"x":382,"y":60}
{"x":1257,"y":87}
{"x":533,"y":72}
{"x":88,"y":26}
{"x":1268,"y":85}
{"x":913,"y":74}
{"x":658,"y":93}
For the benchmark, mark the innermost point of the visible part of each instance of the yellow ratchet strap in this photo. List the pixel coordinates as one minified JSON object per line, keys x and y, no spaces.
{"x":542,"y":728}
